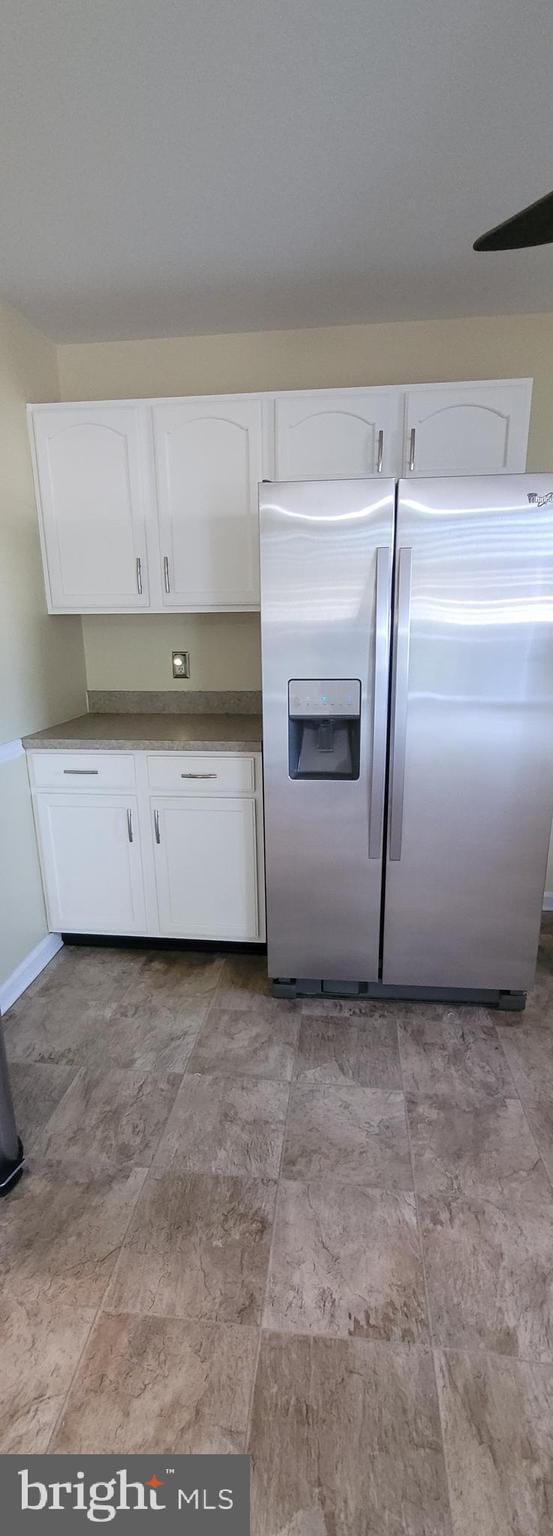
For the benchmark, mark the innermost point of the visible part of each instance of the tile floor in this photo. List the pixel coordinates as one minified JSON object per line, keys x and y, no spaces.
{"x":324,"y":1233}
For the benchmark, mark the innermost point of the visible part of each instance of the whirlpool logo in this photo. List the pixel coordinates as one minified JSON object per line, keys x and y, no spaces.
{"x":539,"y":501}
{"x":203,"y":1494}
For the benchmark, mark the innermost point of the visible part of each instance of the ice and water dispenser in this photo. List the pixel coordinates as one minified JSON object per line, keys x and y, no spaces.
{"x":324,"y":719}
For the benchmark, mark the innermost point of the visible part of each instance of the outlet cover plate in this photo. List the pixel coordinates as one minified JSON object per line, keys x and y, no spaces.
{"x":181,"y":663}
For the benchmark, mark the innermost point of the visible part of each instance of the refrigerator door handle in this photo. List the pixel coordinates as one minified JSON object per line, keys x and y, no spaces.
{"x":412,"y":444}
{"x":380,"y":701}
{"x":400,"y":690}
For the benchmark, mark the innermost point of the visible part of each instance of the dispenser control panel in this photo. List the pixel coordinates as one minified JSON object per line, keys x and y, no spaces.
{"x":324,"y":697}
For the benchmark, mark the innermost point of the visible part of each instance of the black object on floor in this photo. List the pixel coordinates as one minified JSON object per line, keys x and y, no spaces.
{"x":10,"y":1172}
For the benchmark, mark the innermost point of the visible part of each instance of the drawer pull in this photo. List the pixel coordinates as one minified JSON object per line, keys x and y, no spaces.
{"x":156,"y":826}
{"x":139,"y":575}
{"x":198,"y":775}
{"x":83,"y":772}
{"x":166,"y":580}
{"x":129,"y":826}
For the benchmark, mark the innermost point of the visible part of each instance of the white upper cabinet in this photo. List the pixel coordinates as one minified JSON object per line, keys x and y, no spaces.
{"x":337,"y":435}
{"x":154,"y":504}
{"x":209,"y":460}
{"x":467,"y":429}
{"x":91,"y":480}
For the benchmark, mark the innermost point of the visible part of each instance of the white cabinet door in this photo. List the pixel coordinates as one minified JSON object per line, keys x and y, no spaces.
{"x":467,"y":429}
{"x":91,"y":862}
{"x":92,"y":474}
{"x":337,"y":435}
{"x":209,"y":461}
{"x":206,"y":867}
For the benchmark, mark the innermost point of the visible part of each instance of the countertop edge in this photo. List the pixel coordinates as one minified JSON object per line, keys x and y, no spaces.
{"x":76,"y":744}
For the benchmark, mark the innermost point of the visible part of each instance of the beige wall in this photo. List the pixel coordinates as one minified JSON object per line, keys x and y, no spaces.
{"x":23,"y":919}
{"x":405,"y":352}
{"x":42,"y":675}
{"x":401,"y":353}
{"x":136,"y":653}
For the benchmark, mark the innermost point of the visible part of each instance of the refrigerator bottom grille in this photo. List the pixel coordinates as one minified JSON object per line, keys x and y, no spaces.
{"x":305,"y":986}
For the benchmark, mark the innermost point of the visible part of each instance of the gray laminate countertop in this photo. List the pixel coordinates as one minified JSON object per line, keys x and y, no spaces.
{"x":143,"y":733}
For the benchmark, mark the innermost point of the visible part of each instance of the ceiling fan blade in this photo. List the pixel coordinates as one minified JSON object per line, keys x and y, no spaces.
{"x":532,"y":226}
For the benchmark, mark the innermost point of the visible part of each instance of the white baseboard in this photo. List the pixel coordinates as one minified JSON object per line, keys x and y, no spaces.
{"x":547,"y":904}
{"x":29,"y":968}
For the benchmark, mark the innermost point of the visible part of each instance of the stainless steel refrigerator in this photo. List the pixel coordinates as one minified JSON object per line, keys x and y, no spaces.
{"x":407,"y":642}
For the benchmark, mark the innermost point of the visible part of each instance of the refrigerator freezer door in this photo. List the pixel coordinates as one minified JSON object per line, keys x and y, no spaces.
{"x":326,"y":561}
{"x":471,"y":776}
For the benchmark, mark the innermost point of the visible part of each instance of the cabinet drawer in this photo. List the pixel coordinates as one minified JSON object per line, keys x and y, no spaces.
{"x":82,"y":770}
{"x":192,"y":773}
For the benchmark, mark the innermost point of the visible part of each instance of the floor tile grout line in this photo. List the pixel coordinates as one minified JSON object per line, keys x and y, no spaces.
{"x":426,"y":1289}
{"x":215,"y":993}
{"x":249,"y":1424}
{"x":94,"y":1320}
{"x":520,"y":1098}
{"x":194,"y":997}
{"x":212,"y":1000}
{"x":209,"y":1006}
{"x":185,"y":1318}
{"x":483,"y":1353}
{"x":398,"y":1346}
{"x":44,"y":1127}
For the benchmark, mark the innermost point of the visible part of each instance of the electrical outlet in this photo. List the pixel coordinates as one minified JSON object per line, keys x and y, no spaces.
{"x":181,"y":663}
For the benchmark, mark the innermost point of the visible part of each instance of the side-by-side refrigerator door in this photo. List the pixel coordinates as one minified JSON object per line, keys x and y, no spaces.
{"x":471,"y":781}
{"x":326,"y":566}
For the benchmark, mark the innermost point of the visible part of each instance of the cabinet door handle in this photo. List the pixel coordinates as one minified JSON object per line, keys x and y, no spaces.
{"x":198,"y":775}
{"x":380,"y":453}
{"x":139,"y":575}
{"x":129,"y":826}
{"x":83,"y":772}
{"x":412,"y":449}
{"x":156,"y":826}
{"x":166,"y":581}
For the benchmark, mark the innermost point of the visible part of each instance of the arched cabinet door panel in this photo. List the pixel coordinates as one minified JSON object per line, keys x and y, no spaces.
{"x":337,"y":435}
{"x":467,"y":429}
{"x":92,"y":489}
{"x":208,"y":462}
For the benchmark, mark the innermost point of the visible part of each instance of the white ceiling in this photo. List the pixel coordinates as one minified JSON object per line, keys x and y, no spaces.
{"x":179,"y":166}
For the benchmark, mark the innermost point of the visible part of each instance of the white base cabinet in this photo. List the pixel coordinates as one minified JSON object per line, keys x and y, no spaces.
{"x":206,"y":867}
{"x":91,"y":861}
{"x":186,"y":863}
